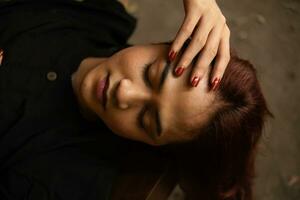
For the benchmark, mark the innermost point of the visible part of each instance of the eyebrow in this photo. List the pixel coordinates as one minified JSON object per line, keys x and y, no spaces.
{"x":164,"y":74}
{"x":161,"y":82}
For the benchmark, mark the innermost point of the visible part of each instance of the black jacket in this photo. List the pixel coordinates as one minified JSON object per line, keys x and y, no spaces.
{"x":47,"y":149}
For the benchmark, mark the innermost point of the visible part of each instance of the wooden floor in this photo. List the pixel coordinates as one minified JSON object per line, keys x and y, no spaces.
{"x":267,"y":33}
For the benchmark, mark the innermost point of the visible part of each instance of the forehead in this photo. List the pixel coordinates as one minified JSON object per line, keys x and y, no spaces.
{"x":187,"y":110}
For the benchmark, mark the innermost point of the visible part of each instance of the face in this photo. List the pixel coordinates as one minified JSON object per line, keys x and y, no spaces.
{"x":145,"y":100}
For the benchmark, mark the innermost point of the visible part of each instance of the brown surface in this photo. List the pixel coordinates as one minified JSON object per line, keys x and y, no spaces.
{"x":267,"y":32}
{"x":144,"y":176}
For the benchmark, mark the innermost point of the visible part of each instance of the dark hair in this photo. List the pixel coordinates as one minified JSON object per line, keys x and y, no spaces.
{"x":219,"y":162}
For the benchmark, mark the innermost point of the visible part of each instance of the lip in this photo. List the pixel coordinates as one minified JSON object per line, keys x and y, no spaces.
{"x":102,"y":88}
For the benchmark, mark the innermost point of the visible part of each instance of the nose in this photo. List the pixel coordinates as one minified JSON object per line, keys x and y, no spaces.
{"x":129,"y":94}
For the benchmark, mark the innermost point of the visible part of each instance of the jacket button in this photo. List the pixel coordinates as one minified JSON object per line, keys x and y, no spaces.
{"x":51,"y":76}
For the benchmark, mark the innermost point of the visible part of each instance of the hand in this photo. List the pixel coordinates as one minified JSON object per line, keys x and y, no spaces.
{"x":205,"y":24}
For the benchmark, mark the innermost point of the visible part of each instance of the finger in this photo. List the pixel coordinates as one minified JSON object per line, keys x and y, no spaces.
{"x":207,"y":55}
{"x":222,"y":59}
{"x":183,"y":34}
{"x":197,"y":43}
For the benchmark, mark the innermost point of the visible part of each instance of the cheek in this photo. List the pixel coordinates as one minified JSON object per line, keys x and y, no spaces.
{"x":121,"y":123}
{"x":130,"y":63}
{"x":124,"y":125}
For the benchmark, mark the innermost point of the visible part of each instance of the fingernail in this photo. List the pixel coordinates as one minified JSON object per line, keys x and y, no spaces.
{"x":195,"y":81}
{"x":172,"y":55}
{"x":179,"y":71}
{"x":215,"y":84}
{"x":1,"y":56}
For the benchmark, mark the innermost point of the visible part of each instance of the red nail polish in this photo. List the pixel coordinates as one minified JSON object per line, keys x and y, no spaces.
{"x":172,"y":56}
{"x":179,"y":71}
{"x":1,"y":56}
{"x":195,"y":81}
{"x":215,"y":84}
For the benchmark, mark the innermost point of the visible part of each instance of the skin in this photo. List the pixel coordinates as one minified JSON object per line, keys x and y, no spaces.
{"x":182,"y":108}
{"x":205,"y":25}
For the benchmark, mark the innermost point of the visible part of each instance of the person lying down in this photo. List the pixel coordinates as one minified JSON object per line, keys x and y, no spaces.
{"x":213,"y":130}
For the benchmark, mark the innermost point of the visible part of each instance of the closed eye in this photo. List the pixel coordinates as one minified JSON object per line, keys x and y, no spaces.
{"x":140,"y":118}
{"x":145,"y":72}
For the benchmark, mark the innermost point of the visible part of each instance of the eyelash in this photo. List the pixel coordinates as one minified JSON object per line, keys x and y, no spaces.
{"x":144,"y":74}
{"x":140,"y":121}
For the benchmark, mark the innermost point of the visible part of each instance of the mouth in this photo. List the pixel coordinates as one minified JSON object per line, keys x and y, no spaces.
{"x":102,"y":88}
